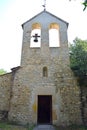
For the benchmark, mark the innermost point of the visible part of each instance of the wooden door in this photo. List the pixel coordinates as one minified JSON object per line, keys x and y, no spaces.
{"x":45,"y":109}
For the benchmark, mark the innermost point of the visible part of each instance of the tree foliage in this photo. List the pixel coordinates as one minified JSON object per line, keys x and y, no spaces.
{"x":78,"y":57}
{"x":84,"y":3}
{"x":2,"y":71}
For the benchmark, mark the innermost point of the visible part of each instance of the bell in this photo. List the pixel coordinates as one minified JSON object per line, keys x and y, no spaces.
{"x":35,"y":40}
{"x":36,"y":37}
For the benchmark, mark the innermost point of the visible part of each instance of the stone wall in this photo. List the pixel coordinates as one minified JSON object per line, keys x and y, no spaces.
{"x":23,"y":107}
{"x":65,"y":92}
{"x":5,"y":89}
{"x":84,"y":103}
{"x":19,"y":91}
{"x":60,"y":83}
{"x":29,"y":81}
{"x":70,"y":95}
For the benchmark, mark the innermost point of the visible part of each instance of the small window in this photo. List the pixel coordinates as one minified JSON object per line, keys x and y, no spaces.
{"x":45,"y":72}
{"x":54,"y":35}
{"x":35,"y":35}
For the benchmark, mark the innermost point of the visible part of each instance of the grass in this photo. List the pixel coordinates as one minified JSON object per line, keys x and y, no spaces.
{"x":4,"y":125}
{"x":9,"y":126}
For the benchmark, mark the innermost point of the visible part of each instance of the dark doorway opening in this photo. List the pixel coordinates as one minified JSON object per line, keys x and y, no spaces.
{"x":44,"y":109}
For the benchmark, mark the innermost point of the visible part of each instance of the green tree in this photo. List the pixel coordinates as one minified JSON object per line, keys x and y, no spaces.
{"x":78,"y":63}
{"x":78,"y":57}
{"x":2,"y":71}
{"x":84,"y":3}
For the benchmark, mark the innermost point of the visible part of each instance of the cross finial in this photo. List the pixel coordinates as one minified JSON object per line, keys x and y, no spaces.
{"x":44,"y":5}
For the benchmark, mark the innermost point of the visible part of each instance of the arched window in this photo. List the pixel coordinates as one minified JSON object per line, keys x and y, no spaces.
{"x":54,"y":35}
{"x":35,"y":35}
{"x":45,"y":72}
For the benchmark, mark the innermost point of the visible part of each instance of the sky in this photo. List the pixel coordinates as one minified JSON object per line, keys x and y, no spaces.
{"x":13,"y":13}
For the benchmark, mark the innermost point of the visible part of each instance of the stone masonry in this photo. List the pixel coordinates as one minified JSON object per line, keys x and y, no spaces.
{"x":26,"y":82}
{"x":5,"y":92}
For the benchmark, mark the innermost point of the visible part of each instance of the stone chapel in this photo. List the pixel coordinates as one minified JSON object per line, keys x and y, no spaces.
{"x":42,"y":90}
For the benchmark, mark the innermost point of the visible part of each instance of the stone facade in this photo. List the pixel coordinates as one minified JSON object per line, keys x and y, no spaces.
{"x":84,"y":103}
{"x":5,"y":92}
{"x":28,"y":81}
